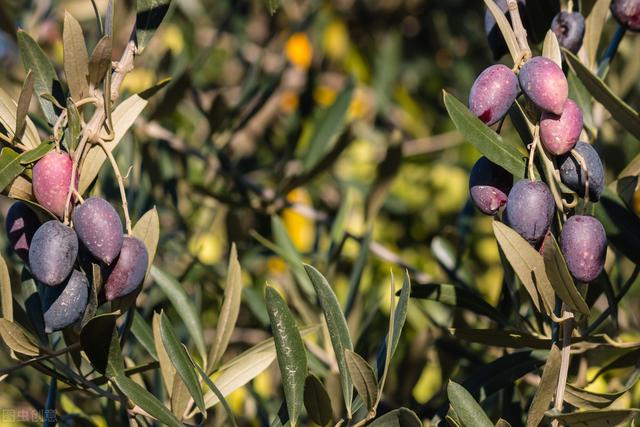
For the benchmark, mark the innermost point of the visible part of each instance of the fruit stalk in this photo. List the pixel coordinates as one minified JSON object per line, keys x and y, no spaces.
{"x":519,"y":31}
{"x":567,"y":329}
{"x":123,"y":193}
{"x":93,"y":127}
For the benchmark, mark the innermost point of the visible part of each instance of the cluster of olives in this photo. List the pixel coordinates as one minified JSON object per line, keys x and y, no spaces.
{"x":51,"y":249}
{"x":529,"y":205}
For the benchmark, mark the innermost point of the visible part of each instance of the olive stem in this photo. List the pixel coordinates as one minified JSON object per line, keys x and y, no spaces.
{"x":518,"y":30}
{"x":78,"y":196}
{"x":532,"y":153}
{"x":583,"y":166}
{"x":612,"y":49}
{"x":97,"y":121}
{"x":71,"y":348}
{"x":567,"y":329}
{"x":549,"y":171}
{"x":123,"y":192}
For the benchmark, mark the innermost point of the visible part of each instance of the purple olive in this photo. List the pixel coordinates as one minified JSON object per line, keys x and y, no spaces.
{"x":569,"y":29}
{"x":584,"y":245}
{"x":51,"y":179}
{"x":128,"y":270}
{"x":53,"y":252}
{"x":21,"y":224}
{"x":489,"y":186}
{"x":530,"y":209}
{"x":572,"y":174}
{"x":99,"y":228}
{"x":543,"y":81}
{"x":559,"y":133}
{"x":65,"y":304}
{"x":493,"y":93}
{"x":627,"y":13}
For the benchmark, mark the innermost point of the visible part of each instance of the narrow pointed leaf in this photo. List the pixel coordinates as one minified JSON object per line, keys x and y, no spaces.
{"x":560,"y":277}
{"x":18,"y":339}
{"x":10,"y":167}
{"x":467,"y":409}
{"x":6,"y":294}
{"x":595,"y":418}
{"x":230,"y":308}
{"x":143,"y":334}
{"x":401,"y":417}
{"x":149,"y":16}
{"x":528,"y":264}
{"x":45,"y":79}
{"x":484,"y":138}
{"x":180,"y":361}
{"x":9,"y":119}
{"x":337,"y":325}
{"x":317,"y":401}
{"x":363,"y":377}
{"x":99,"y":341}
{"x":292,"y":358}
{"x":76,"y":60}
{"x":329,"y":126}
{"x":620,"y":110}
{"x":100,"y":61}
{"x":147,"y":229}
{"x":546,"y":389}
{"x":36,"y":153}
{"x":505,"y":29}
{"x":145,"y":400}
{"x":551,"y":48}
{"x":183,"y":305}
{"x":167,"y":370}
{"x":23,"y":106}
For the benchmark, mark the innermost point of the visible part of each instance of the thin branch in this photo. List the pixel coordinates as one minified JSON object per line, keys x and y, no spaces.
{"x":518,"y":30}
{"x":567,"y":329}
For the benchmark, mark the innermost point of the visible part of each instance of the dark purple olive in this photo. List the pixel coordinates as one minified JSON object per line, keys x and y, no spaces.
{"x":128,"y":270}
{"x":544,"y":83}
{"x":489,"y":186}
{"x":572,"y":175}
{"x":65,"y":304}
{"x":21,"y":224}
{"x":584,"y":245}
{"x":569,"y":30}
{"x":559,"y":133}
{"x":530,"y":209}
{"x":493,"y":93}
{"x":53,"y":252}
{"x":627,"y":13}
{"x":99,"y":228}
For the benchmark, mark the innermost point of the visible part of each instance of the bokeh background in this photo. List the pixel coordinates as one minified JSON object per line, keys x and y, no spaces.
{"x":216,"y":150}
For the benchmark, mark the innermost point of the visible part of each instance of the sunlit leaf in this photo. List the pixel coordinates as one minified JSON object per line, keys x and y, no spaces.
{"x":45,"y":79}
{"x":594,"y":418}
{"x":76,"y":60}
{"x":338,"y":330}
{"x":147,"y":229}
{"x":230,"y":309}
{"x":292,"y":358}
{"x":149,"y":16}
{"x":546,"y":388}
{"x":484,"y":138}
{"x":17,"y":338}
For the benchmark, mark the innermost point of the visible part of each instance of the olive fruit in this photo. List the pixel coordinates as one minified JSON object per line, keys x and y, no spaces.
{"x":51,"y":179}
{"x":21,"y":224}
{"x":559,"y":133}
{"x":99,"y":228}
{"x":530,"y":209}
{"x":627,"y":13}
{"x":129,"y":269}
{"x":53,"y":252}
{"x":493,"y":93}
{"x":569,"y":30}
{"x":544,"y":83}
{"x":65,"y":304}
{"x":572,"y":174}
{"x":584,"y":245}
{"x":489,"y":186}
